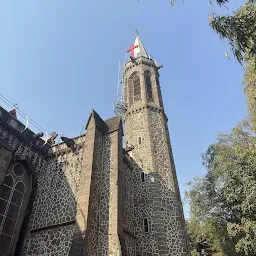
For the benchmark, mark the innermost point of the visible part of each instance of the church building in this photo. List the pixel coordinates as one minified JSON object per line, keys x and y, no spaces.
{"x":95,"y":195}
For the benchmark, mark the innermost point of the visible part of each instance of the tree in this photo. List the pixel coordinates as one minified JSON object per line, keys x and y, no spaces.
{"x":250,"y":89}
{"x":226,"y":195}
{"x":223,"y":202}
{"x":205,"y":237}
{"x":239,"y":29}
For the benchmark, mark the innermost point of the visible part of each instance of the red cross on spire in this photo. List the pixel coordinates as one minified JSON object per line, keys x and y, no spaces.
{"x":131,"y":49}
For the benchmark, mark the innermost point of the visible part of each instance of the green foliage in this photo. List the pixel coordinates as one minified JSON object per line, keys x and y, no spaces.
{"x":219,"y":2}
{"x":224,"y":200}
{"x":250,"y":89}
{"x":239,"y":29}
{"x":208,"y":237}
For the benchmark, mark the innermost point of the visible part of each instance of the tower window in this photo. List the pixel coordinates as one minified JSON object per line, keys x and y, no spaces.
{"x":145,"y":225}
{"x":140,"y":140}
{"x":148,"y":86}
{"x":136,"y":88}
{"x":142,"y":176}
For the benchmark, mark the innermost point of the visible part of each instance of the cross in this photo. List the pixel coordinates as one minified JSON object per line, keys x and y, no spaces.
{"x":137,"y":32}
{"x":131,"y":49}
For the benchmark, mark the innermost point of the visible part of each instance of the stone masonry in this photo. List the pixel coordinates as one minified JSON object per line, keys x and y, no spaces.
{"x":92,"y":195}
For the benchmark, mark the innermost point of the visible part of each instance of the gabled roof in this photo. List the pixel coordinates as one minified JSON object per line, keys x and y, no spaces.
{"x":107,"y":126}
{"x":98,"y":121}
{"x":113,"y":123}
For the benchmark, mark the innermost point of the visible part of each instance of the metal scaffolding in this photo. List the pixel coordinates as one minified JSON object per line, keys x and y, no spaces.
{"x":119,"y":105}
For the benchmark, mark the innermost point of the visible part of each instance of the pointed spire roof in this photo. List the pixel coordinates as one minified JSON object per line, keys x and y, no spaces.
{"x":140,"y":50}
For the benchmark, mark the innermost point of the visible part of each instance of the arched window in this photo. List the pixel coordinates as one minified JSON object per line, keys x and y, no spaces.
{"x":145,"y":225}
{"x":140,"y":140}
{"x":11,"y":199}
{"x":136,"y":88}
{"x":142,"y":176}
{"x":12,"y":193}
{"x":148,"y":86}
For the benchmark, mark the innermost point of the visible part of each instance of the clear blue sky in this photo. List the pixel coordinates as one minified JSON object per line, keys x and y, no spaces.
{"x":59,"y":59}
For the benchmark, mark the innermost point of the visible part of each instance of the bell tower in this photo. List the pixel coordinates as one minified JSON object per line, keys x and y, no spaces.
{"x":158,"y":222}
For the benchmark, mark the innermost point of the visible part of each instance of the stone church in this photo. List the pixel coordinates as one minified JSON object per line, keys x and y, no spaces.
{"x":93,"y":194}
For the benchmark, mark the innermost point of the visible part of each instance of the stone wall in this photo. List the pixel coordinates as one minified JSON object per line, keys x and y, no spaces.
{"x":129,"y":215}
{"x":57,"y":172}
{"x":19,"y":141}
{"x":99,"y":199}
{"x":55,"y":205}
{"x":5,"y":159}
{"x":166,"y":186}
{"x":53,"y":241}
{"x":58,"y":182}
{"x":136,"y":126}
{"x":138,"y":205}
{"x":102,"y":230}
{"x":156,"y":199}
{"x":76,"y":207}
{"x":156,"y":196}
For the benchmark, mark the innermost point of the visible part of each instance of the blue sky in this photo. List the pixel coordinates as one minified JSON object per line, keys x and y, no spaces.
{"x":59,"y":59}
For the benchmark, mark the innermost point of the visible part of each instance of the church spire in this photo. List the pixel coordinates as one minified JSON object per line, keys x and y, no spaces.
{"x":137,"y":49}
{"x":140,"y":50}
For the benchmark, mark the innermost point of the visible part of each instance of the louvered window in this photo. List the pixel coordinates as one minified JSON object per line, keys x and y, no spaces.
{"x":136,"y":88}
{"x":148,"y":86}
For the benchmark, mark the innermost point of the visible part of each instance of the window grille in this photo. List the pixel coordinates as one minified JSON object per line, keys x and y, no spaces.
{"x":11,"y":198}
